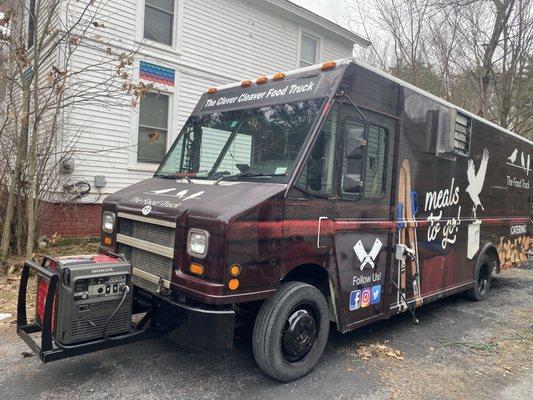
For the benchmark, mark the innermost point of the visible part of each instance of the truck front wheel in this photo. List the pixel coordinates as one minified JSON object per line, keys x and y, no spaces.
{"x":291,"y":331}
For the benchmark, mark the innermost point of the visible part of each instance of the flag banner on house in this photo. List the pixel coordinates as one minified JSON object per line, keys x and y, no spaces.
{"x":156,"y":73}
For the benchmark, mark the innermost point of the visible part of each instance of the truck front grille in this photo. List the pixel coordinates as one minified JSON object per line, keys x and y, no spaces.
{"x":151,"y":233}
{"x":149,"y":245}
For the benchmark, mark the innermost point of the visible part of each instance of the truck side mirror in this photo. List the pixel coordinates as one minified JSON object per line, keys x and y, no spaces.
{"x":352,"y":183}
{"x":354,"y":143}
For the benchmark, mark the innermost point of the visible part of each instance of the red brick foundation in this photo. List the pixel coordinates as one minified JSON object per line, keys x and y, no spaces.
{"x":70,"y":221}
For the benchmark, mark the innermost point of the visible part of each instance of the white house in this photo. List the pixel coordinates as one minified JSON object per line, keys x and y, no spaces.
{"x":186,"y":46}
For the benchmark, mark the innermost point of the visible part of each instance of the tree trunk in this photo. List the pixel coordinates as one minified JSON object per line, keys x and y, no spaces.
{"x":503,"y":12}
{"x":15,"y":181}
{"x":32,"y":166}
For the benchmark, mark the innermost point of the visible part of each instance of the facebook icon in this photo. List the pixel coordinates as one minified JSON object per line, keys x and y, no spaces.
{"x":355,"y":300}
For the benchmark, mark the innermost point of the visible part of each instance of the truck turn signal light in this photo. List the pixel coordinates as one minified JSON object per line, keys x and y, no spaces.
{"x":212,"y":90}
{"x":196,"y":269}
{"x":233,"y":284}
{"x":235,"y":270}
{"x":328,"y":65}
{"x":279,"y":76}
{"x":246,"y":83}
{"x":261,"y":80}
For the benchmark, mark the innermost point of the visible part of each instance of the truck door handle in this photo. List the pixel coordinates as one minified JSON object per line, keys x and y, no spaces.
{"x":320,"y":219}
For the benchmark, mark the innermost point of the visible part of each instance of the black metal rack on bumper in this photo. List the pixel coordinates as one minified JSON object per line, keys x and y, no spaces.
{"x":84,"y":306}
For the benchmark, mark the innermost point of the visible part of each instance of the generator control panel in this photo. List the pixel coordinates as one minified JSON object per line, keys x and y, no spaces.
{"x":103,"y":286}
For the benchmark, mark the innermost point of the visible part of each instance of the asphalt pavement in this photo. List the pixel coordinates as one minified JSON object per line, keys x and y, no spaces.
{"x":460,"y":350}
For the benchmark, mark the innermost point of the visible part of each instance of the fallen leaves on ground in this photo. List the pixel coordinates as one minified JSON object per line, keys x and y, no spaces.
{"x":27,"y":354}
{"x":367,"y":351}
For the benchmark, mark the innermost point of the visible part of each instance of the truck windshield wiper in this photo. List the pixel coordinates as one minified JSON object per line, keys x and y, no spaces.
{"x":175,"y":176}
{"x":247,"y":174}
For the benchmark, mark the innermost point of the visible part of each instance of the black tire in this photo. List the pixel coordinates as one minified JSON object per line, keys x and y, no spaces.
{"x":287,"y":350}
{"x":482,"y":278}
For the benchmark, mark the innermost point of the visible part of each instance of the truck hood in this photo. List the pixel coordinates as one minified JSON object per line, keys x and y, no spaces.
{"x":169,"y":198}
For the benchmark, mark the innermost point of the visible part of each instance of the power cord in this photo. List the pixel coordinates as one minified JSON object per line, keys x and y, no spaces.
{"x":125,"y":289}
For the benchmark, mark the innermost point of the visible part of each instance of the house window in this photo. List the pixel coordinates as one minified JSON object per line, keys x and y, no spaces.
{"x":308,"y":50}
{"x":153,"y":128}
{"x":31,"y":23}
{"x":159,"y":20}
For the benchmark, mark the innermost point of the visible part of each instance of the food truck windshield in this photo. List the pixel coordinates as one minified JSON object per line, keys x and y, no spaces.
{"x":257,"y":143}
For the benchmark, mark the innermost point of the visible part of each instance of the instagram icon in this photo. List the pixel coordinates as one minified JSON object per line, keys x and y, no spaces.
{"x":365,"y":297}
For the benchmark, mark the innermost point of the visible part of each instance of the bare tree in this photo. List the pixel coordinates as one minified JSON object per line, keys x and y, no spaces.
{"x":475,"y":53}
{"x":44,"y":82}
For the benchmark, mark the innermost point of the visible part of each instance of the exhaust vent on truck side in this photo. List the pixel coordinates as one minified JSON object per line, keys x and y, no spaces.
{"x":448,"y":133}
{"x":463,"y":127}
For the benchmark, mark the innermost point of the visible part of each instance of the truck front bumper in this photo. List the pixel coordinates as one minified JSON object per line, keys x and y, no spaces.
{"x":191,"y":326}
{"x":194,"y":326}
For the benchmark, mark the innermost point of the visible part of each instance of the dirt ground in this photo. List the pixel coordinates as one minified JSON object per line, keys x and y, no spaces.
{"x":460,"y":350}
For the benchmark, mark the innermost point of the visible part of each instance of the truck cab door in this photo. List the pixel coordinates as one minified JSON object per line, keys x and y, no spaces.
{"x":363,"y":238}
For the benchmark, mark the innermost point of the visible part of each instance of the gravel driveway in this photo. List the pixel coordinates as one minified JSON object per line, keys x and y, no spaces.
{"x":460,"y":350}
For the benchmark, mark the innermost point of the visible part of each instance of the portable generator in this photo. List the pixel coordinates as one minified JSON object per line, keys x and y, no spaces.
{"x":93,"y":299}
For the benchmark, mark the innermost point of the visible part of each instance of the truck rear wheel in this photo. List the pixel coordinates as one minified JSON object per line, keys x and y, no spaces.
{"x":482,"y":279}
{"x":291,"y":331}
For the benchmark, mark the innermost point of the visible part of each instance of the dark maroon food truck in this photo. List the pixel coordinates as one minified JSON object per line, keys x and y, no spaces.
{"x":333,"y":194}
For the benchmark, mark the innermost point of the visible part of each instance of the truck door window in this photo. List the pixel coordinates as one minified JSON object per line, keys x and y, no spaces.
{"x":317,"y":175}
{"x":363,"y":160}
{"x":376,"y":154}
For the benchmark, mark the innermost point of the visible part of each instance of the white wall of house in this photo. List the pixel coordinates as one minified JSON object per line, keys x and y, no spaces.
{"x":213,"y":42}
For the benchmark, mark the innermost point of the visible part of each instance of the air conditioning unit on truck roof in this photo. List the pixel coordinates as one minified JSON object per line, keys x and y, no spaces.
{"x":329,"y":194}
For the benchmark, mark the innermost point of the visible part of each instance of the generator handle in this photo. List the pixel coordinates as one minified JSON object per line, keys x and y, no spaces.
{"x":45,"y":261}
{"x":108,"y":252}
{"x":53,"y":278}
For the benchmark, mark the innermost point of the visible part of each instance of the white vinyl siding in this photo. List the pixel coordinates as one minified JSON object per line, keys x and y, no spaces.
{"x":220,"y":42}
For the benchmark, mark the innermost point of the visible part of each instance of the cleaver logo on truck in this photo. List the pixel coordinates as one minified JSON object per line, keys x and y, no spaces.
{"x":367,"y":258}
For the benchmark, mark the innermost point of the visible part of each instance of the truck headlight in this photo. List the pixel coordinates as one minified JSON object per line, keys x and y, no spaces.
{"x":197,"y":243}
{"x":108,"y":222}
